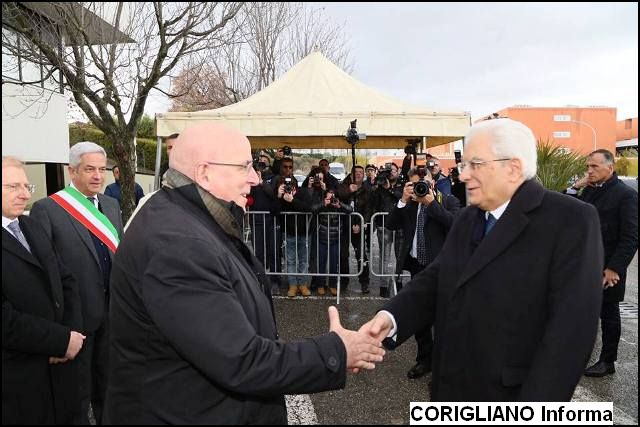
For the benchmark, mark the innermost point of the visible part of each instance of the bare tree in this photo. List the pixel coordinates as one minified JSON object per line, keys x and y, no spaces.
{"x":111,"y":69}
{"x":275,"y":36}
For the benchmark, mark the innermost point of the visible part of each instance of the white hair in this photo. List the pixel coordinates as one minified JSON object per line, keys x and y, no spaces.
{"x":82,"y":148}
{"x":10,"y":161}
{"x":510,"y":139}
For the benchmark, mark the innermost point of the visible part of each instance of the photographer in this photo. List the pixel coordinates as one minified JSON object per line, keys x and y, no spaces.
{"x":383,"y":199}
{"x":353,"y":192}
{"x":281,"y":154}
{"x":371,"y":171}
{"x":326,"y":232}
{"x":330,"y":181}
{"x":263,"y":228}
{"x":425,"y":215}
{"x":442,"y":182}
{"x":294,"y":228}
{"x":458,"y":188}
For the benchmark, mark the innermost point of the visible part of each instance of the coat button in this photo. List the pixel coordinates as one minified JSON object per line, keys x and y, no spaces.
{"x":333,"y":362}
{"x":57,"y":304}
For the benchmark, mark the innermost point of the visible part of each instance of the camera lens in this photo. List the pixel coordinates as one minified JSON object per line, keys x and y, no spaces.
{"x":421,"y":188}
{"x":286,"y":150}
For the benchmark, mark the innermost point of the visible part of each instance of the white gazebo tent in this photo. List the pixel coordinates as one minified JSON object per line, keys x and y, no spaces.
{"x":312,"y":105}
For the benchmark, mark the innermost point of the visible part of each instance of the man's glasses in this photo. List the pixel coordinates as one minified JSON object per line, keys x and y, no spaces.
{"x":247,"y":165}
{"x":474,"y":165}
{"x":31,"y":188}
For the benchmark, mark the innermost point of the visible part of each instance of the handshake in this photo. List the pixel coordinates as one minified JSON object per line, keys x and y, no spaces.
{"x":364,"y":348}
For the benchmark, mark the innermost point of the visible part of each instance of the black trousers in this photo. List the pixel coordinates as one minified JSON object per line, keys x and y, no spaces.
{"x":92,"y":367}
{"x":611,"y":330}
{"x":424,"y":336}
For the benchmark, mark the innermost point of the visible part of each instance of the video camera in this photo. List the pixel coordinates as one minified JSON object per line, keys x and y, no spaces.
{"x":352,"y":136}
{"x":286,"y":150}
{"x":410,"y":148}
{"x":258,"y":165}
{"x":384,"y":175}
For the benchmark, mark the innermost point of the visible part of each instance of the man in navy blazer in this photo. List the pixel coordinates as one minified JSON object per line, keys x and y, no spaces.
{"x":40,"y":315}
{"x":515,"y":292}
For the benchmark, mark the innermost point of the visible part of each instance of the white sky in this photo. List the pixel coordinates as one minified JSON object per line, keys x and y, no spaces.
{"x":484,"y":57}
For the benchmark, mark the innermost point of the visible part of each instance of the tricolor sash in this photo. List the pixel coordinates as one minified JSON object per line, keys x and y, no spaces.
{"x":77,"y":205}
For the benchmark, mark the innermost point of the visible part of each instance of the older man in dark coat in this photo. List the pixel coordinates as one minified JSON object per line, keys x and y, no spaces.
{"x":515,"y":290}
{"x":40,"y":316}
{"x":193,"y":338}
{"x":617,"y":206}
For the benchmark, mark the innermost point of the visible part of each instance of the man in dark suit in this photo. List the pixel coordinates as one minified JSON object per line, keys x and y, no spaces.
{"x":40,"y":315}
{"x":516,"y":290}
{"x":427,"y":220}
{"x":617,"y":206}
{"x":84,"y":227}
{"x":193,"y":333}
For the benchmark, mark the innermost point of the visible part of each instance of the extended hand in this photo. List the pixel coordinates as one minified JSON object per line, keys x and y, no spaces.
{"x":362,"y":350}
{"x":378,"y":328}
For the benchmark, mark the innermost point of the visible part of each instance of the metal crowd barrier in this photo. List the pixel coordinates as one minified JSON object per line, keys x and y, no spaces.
{"x":389,"y":249}
{"x":266,"y":236}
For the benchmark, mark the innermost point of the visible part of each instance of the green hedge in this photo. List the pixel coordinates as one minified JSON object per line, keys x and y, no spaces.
{"x":145,"y":148}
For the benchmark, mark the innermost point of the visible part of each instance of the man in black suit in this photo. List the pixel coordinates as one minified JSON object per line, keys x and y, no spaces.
{"x":85,"y":227}
{"x":427,"y":220}
{"x":617,"y":206}
{"x":40,"y":315}
{"x":516,"y":290}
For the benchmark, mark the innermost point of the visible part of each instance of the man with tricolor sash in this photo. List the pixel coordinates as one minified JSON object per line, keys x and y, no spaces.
{"x":85,"y":228}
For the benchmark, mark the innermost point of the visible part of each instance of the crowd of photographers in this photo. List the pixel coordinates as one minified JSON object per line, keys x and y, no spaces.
{"x":304,"y":229}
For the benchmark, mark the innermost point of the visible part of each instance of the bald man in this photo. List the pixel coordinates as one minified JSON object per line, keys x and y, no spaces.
{"x":193,"y":336}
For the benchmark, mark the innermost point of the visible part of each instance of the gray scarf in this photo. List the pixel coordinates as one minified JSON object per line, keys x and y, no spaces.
{"x":221,"y":211}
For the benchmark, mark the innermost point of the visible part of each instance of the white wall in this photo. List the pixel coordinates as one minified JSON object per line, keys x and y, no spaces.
{"x":34,"y":124}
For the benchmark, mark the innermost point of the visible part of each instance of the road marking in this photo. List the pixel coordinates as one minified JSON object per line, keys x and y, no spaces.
{"x":300,"y":410}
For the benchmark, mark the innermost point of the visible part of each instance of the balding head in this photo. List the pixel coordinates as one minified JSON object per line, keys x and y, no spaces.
{"x":217,"y":158}
{"x":211,"y":142}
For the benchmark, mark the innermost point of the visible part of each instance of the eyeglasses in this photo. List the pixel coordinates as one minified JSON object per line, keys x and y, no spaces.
{"x":475,"y":164}
{"x":31,"y":188}
{"x":247,"y":165}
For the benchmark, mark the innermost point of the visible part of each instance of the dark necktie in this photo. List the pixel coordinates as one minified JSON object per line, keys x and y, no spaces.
{"x":17,"y":232}
{"x":421,"y":246}
{"x":491,"y":221}
{"x":92,"y":199}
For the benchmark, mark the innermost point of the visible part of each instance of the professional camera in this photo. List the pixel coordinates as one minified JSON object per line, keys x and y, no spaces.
{"x":286,"y":150}
{"x":422,"y":187}
{"x":384,"y":175}
{"x":431,"y":164}
{"x":288,"y":185}
{"x":412,"y":143}
{"x":333,"y":200}
{"x":352,"y":133}
{"x":317,"y":180}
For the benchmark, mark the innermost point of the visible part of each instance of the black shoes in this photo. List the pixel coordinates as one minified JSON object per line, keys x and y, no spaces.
{"x":365,"y":288}
{"x":384,"y":292}
{"x":600,"y":369}
{"x":418,"y":370}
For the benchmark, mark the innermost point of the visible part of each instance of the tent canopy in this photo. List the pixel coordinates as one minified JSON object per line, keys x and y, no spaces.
{"x":312,"y":105}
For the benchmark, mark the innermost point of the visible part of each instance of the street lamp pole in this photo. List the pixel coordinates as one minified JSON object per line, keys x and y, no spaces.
{"x":595,"y":143}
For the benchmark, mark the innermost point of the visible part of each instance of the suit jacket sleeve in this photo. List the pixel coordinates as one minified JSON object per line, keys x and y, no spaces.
{"x":415,"y":306}
{"x":194,"y":302}
{"x":32,"y":334}
{"x":574,"y":301}
{"x":628,"y":234}
{"x":396,"y":218}
{"x":72,"y":316}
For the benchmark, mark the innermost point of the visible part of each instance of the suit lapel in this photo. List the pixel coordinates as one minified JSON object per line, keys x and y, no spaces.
{"x":12,"y":245}
{"x":39,"y":243}
{"x":510,"y":225}
{"x":85,"y":236}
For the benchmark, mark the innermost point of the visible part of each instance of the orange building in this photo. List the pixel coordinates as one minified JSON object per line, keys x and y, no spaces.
{"x":580,"y":129}
{"x":627,"y":129}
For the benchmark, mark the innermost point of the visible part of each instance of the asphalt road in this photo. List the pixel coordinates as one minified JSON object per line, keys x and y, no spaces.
{"x":382,"y":396}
